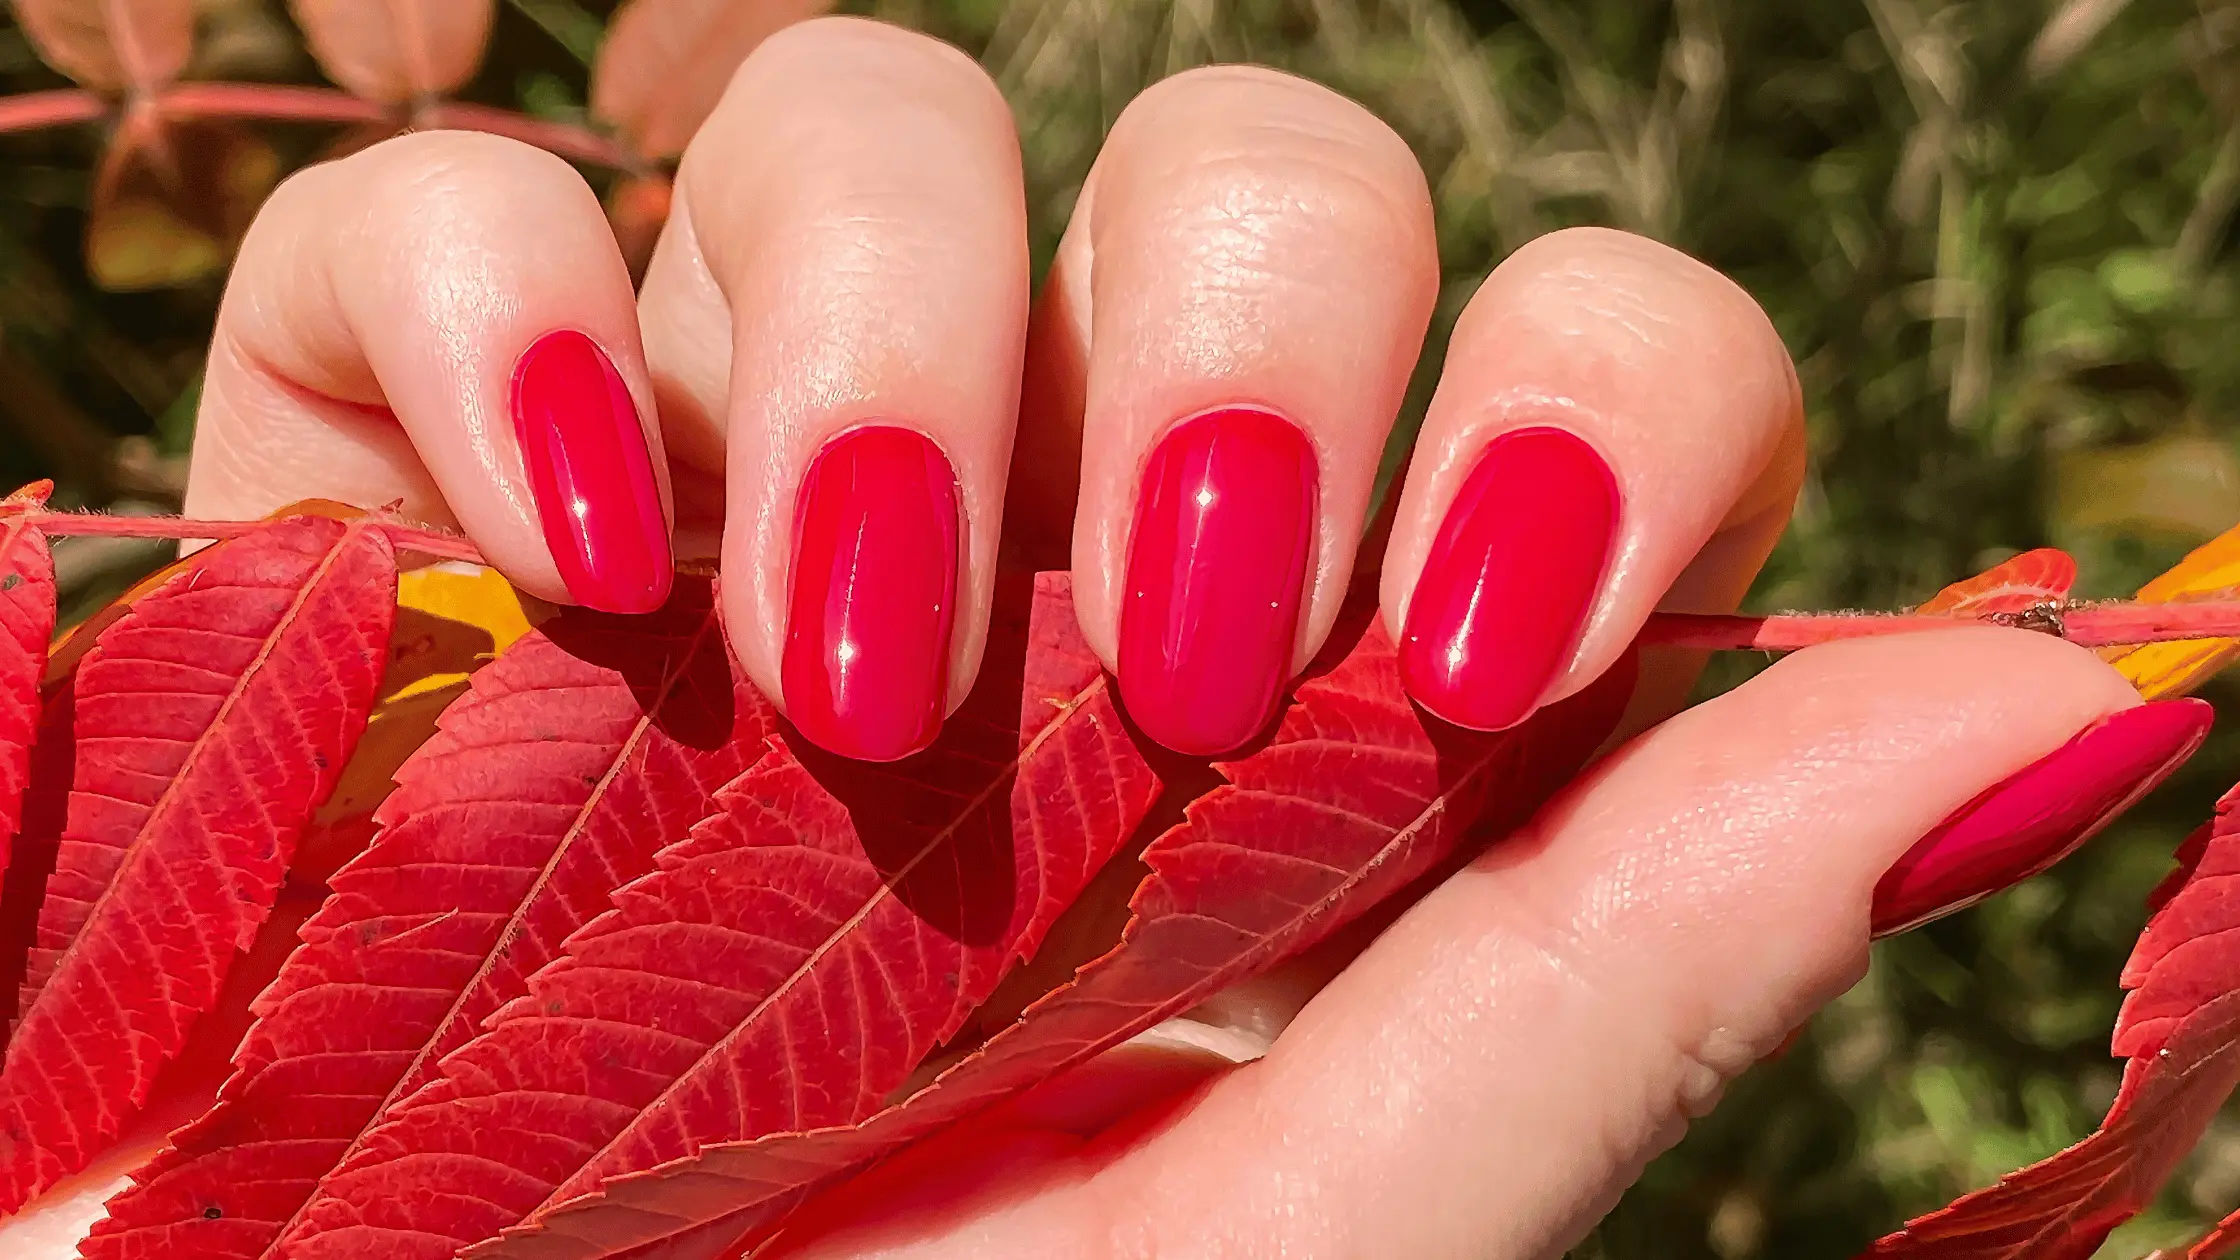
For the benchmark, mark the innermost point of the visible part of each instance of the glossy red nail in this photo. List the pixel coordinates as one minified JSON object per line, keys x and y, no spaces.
{"x":2040,"y":814}
{"x":1506,"y":589}
{"x":591,"y":474}
{"x":1217,"y":570}
{"x":866,"y":669}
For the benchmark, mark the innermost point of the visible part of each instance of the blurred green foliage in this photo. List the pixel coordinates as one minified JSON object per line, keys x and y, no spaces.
{"x":1996,"y":234}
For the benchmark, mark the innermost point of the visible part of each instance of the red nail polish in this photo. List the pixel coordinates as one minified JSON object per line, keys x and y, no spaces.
{"x":2040,"y":814}
{"x":1217,"y":570}
{"x":866,"y":670}
{"x":1510,"y":579}
{"x":591,"y":474}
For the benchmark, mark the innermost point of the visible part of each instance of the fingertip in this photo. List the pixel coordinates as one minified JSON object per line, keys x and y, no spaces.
{"x":1681,"y":411}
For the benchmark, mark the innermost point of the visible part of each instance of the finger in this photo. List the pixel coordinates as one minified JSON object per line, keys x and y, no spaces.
{"x":444,"y":320}
{"x":841,"y":303}
{"x":1243,"y":290}
{"x":1616,"y":425}
{"x":1487,"y":1076}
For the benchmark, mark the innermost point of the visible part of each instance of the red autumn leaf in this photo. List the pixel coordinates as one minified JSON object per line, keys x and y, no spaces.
{"x":26,"y":623}
{"x":209,"y":721}
{"x":786,"y":965}
{"x":665,"y":63}
{"x":52,"y":1223}
{"x":38,"y":839}
{"x":112,"y":45}
{"x":396,"y":50}
{"x":572,"y":758}
{"x":1357,"y":795}
{"x":2180,"y":1030}
{"x":2011,"y":586}
{"x":2222,"y":1240}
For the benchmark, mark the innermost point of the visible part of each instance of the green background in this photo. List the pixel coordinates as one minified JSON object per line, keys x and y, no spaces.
{"x":1996,"y":235}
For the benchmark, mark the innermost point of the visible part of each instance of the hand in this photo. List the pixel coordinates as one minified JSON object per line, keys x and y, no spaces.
{"x":826,"y":362}
{"x":832,"y":363}
{"x":1487,"y":1077}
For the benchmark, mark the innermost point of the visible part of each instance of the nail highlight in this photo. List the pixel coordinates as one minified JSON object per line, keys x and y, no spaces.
{"x":866,"y":664}
{"x":591,"y":475}
{"x":2040,"y":814}
{"x":1508,"y":584}
{"x":1217,"y":571}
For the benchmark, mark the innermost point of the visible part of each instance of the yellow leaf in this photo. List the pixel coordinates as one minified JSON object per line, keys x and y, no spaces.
{"x":2161,"y":670}
{"x":451,"y":619}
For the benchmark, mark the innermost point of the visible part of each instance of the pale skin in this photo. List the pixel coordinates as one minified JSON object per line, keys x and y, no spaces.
{"x":849,"y":244}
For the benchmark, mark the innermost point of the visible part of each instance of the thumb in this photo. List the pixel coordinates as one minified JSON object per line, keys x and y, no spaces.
{"x":1488,"y":1076}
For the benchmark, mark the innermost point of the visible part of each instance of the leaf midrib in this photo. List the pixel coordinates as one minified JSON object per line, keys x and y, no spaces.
{"x":202,"y":742}
{"x":1438,"y":804}
{"x":832,"y":941}
{"x":513,"y":924}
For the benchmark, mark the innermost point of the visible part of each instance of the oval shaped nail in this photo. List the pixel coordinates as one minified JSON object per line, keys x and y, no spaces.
{"x":866,"y":663}
{"x":1510,"y":579}
{"x":591,"y":475}
{"x":2040,"y":814}
{"x":1217,"y":573}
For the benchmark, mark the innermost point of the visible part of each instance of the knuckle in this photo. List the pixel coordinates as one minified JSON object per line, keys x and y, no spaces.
{"x":846,"y":62}
{"x":1242,"y":147}
{"x":453,"y":156}
{"x":1642,"y":287}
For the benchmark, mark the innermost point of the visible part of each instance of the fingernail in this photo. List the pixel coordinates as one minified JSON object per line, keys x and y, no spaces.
{"x":1507,"y":587}
{"x":1217,"y":570}
{"x":2040,"y":814}
{"x":866,"y":670}
{"x":591,"y":474}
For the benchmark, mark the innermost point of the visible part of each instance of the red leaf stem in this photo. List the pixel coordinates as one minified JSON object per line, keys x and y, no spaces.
{"x":427,"y":542}
{"x":281,"y":102}
{"x":274,"y":102}
{"x":2088,"y":625}
{"x":33,"y":111}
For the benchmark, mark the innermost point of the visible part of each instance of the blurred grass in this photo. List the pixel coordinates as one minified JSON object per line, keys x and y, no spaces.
{"x":1996,"y":234}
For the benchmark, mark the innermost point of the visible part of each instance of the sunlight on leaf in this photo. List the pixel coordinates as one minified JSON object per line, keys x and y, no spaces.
{"x":2160,"y":670}
{"x":111,"y":45}
{"x":451,"y":619}
{"x":397,"y":49}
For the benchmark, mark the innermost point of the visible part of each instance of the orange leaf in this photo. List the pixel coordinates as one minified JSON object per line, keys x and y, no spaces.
{"x":2015,"y":585}
{"x":112,"y":45}
{"x":665,"y":63}
{"x":395,"y":50}
{"x":2160,"y":670}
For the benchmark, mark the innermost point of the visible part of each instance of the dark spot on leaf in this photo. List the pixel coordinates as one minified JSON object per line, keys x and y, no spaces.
{"x":213,"y":1212}
{"x":949,"y":978}
{"x":11,"y":582}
